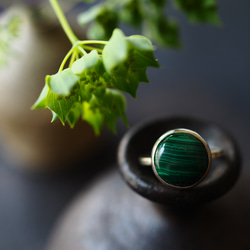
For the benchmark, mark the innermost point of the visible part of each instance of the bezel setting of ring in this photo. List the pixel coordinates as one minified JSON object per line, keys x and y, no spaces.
{"x":181,"y":158}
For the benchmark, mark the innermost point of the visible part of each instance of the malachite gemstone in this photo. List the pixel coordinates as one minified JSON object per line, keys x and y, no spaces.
{"x":181,"y":159}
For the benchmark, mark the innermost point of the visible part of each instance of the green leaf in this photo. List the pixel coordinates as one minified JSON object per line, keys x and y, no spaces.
{"x":143,"y":51}
{"x":93,"y":116}
{"x":86,"y":62}
{"x":163,"y":31}
{"x":54,"y":116}
{"x":158,"y":3}
{"x":74,"y":114}
{"x":89,"y":15}
{"x":86,"y":92}
{"x":115,"y":52}
{"x":89,"y":1}
{"x":104,"y":20}
{"x":108,"y":19}
{"x":61,"y":105}
{"x":96,"y":31}
{"x":105,"y":110}
{"x":41,"y":102}
{"x":141,"y":74}
{"x":99,"y":91}
{"x":126,"y":60}
{"x":115,"y":102}
{"x":199,"y":10}
{"x":131,"y":13}
{"x":62,"y":82}
{"x":127,"y":84}
{"x":140,"y":43}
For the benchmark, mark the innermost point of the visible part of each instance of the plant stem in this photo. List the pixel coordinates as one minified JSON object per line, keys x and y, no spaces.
{"x":92,"y":48}
{"x":92,"y":42}
{"x":63,"y":21}
{"x":66,"y":58}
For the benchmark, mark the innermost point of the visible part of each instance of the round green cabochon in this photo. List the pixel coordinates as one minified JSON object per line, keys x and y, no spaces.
{"x":181,"y":159}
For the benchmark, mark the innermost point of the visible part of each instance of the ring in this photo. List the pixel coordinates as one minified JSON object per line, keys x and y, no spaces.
{"x":181,"y":158}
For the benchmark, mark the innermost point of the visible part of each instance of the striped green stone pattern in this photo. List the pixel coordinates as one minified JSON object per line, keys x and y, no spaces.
{"x":181,"y":159}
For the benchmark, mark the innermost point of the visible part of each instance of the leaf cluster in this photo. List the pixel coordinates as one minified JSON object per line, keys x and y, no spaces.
{"x":90,"y":88}
{"x":8,"y":32}
{"x":147,"y":15}
{"x":204,"y":11}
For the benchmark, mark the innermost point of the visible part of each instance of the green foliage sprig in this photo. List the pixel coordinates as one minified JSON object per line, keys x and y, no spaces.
{"x":147,"y":15}
{"x":8,"y":32}
{"x":92,"y":75}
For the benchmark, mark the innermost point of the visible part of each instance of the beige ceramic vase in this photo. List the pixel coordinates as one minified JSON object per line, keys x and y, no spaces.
{"x":27,"y":137}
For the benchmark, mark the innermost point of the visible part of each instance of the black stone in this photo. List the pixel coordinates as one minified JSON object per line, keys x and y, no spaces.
{"x":139,"y":141}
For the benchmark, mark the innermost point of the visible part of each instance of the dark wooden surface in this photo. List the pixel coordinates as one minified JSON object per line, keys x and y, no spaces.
{"x":139,"y":141}
{"x":208,"y":79}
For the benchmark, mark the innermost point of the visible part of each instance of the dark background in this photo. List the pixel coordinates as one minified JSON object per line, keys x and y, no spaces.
{"x":209,"y":79}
